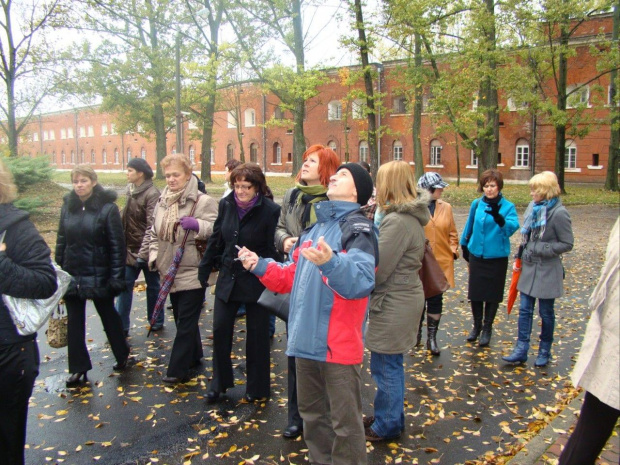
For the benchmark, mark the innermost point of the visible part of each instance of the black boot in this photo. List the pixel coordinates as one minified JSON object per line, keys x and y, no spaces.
{"x":419,"y":338}
{"x":490,"y":310}
{"x":431,"y":343}
{"x":476,"y":311}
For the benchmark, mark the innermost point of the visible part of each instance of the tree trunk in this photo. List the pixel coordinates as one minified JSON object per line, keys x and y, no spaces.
{"x":611,"y":180}
{"x":560,"y":128}
{"x":207,"y":134}
{"x":417,"y":109}
{"x":370,"y":96}
{"x":11,"y":123}
{"x":299,"y":140}
{"x":160,"y":137}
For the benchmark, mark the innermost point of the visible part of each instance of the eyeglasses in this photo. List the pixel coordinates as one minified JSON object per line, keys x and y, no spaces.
{"x":243,"y":187}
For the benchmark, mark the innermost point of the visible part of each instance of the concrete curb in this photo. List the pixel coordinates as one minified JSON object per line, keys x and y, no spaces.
{"x":534,"y":449}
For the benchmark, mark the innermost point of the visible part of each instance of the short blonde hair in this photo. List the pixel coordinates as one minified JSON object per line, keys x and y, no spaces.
{"x":395,"y":184}
{"x":84,"y":170}
{"x":179,"y":159}
{"x":8,"y":190}
{"x":545,"y":184}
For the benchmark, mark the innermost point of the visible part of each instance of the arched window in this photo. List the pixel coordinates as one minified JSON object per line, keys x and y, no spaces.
{"x":334,"y":110}
{"x":143,"y":153}
{"x":128,"y":154}
{"x":72,"y":157}
{"x":116,"y":158}
{"x":570,"y":154}
{"x":192,"y":154}
{"x":63,"y":158}
{"x":104,"y":157}
{"x":92,"y":156}
{"x":364,"y":151}
{"x":254,"y":153}
{"x":230,"y":152}
{"x":277,"y":154}
{"x":332,"y":145}
{"x":435,"y":152}
{"x":250,"y":118}
{"x":522,"y":153}
{"x":82,"y":158}
{"x":397,"y":150}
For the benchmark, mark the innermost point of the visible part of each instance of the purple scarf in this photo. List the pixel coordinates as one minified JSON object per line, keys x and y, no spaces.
{"x":244,"y":207}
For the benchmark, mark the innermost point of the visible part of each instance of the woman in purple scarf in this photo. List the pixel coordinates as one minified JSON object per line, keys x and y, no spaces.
{"x":247,"y":217}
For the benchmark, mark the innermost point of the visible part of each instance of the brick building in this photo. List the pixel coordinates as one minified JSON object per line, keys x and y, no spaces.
{"x":85,"y":135}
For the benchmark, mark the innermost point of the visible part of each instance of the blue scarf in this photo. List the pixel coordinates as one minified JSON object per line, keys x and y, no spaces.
{"x":536,"y":221}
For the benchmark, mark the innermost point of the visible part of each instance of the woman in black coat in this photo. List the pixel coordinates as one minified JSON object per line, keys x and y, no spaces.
{"x":26,"y":271}
{"x":91,"y":248}
{"x":246,"y":217}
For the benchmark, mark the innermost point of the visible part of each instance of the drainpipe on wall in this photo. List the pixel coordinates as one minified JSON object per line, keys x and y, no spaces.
{"x":264,"y":134}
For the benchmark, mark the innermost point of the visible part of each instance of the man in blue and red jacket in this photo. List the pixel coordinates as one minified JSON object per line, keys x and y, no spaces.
{"x":330,"y":277}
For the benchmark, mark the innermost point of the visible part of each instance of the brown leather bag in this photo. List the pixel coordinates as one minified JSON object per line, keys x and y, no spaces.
{"x":433,"y":279}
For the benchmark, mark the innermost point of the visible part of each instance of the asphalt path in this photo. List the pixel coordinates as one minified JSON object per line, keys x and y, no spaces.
{"x":459,"y":406}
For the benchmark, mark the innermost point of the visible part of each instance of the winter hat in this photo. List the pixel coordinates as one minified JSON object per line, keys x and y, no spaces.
{"x":431,"y":180}
{"x":140,"y":164}
{"x":362,"y":180}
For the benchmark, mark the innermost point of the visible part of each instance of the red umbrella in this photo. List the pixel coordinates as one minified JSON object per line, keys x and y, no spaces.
{"x":512,"y":291}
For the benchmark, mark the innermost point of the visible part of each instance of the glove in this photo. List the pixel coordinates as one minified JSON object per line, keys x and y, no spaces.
{"x":189,"y":223}
{"x":116,"y":286}
{"x":465,"y":253}
{"x":494,"y":212}
{"x":203,"y":276}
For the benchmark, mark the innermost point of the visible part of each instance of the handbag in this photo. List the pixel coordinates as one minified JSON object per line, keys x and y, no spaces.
{"x":433,"y":279}
{"x":30,"y":314}
{"x":57,"y":328}
{"x":276,"y":303}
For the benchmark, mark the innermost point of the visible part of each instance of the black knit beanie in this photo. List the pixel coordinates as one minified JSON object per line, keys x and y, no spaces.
{"x":362,"y":180}
{"x":140,"y":164}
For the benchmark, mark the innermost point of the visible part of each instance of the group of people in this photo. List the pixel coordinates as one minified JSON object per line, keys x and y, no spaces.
{"x":349,"y":254}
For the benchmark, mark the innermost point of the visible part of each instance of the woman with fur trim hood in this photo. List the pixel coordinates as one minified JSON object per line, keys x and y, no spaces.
{"x":398,"y":298}
{"x":91,"y":247}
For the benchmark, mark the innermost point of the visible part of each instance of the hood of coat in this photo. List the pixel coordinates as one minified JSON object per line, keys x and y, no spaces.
{"x":98,"y":199}
{"x":417,"y":208}
{"x":191,"y":191}
{"x":9,"y":215}
{"x":139,"y":189}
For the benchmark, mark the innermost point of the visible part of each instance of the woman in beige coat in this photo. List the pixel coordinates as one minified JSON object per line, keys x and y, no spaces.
{"x":173,"y":217}
{"x":398,"y":298}
{"x":444,"y":240}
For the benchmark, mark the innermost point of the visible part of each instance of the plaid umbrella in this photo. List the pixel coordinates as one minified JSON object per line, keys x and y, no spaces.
{"x":166,"y":284}
{"x":516,"y":274}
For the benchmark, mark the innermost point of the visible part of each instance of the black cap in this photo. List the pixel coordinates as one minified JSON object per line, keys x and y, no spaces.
{"x":362,"y":180}
{"x":140,"y":164}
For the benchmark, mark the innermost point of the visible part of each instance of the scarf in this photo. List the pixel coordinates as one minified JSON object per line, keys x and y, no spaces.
{"x":309,"y":196}
{"x":171,"y":215}
{"x":536,"y":221}
{"x":244,"y":207}
{"x":494,"y":200}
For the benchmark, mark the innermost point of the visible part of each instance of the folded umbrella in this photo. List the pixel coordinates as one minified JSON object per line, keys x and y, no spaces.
{"x":512,"y":291}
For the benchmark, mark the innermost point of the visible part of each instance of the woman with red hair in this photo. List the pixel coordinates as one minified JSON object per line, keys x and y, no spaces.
{"x":297,"y":213}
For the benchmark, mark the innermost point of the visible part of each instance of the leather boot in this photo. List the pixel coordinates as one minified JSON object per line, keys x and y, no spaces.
{"x":544,"y":354}
{"x":432,"y":325}
{"x":490,"y":311}
{"x":476,"y":311}
{"x":519,"y":354}
{"x":419,"y":337}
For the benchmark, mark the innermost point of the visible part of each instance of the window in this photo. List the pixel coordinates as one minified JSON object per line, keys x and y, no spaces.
{"x":35,"y":136}
{"x":72,"y":157}
{"x":112,"y":128}
{"x":91,"y":131}
{"x":427,"y":100}
{"x":192,"y":154}
{"x":52,"y":135}
{"x":595,"y":159}
{"x":54,"y":161}
{"x":474,"y":158}
{"x":212,"y":156}
{"x":397,"y":150}
{"x":82,"y":157}
{"x":128,"y":154}
{"x":499,"y":158}
{"x":116,"y":158}
{"x":522,"y":157}
{"x":63,"y":157}
{"x":332,"y":145}
{"x":334,"y":110}
{"x":364,"y":151}
{"x":92,"y":156}
{"x":63,"y":133}
{"x":254,"y":153}
{"x":69,"y":133}
{"x":570,"y":155}
{"x":230,"y":152}
{"x":474,"y":104}
{"x":577,"y":95}
{"x":400,"y":105}
{"x":174,"y":149}
{"x":45,"y":135}
{"x":277,"y":154}
{"x":143,"y":153}
{"x":515,"y":105}
{"x":232,"y":119}
{"x":610,"y":100}
{"x":278,"y":113}
{"x":250,"y":117}
{"x":104,"y":129}
{"x":358,"y":109}
{"x":82,"y":131}
{"x":104,"y":157}
{"x":435,"y":152}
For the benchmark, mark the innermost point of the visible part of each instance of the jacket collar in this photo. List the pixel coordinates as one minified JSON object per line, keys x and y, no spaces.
{"x":96,"y":201}
{"x":417,"y":208}
{"x":334,"y":209}
{"x":191,"y":191}
{"x":139,"y":189}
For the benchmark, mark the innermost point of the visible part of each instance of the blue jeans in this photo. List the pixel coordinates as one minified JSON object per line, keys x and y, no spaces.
{"x":124,"y":300}
{"x":526,"y":316}
{"x":389,"y":375}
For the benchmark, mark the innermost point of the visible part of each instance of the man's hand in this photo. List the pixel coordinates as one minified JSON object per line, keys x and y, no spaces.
{"x":320,"y":254}
{"x":288,"y":243}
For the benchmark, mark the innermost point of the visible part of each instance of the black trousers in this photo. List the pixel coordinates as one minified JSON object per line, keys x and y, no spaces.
{"x":434,"y":305}
{"x":79,"y":360}
{"x":187,"y":346}
{"x":256,"y":347}
{"x":595,"y":425}
{"x":19,"y":367}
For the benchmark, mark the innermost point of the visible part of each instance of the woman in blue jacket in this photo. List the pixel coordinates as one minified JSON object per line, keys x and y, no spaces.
{"x":486,"y":245}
